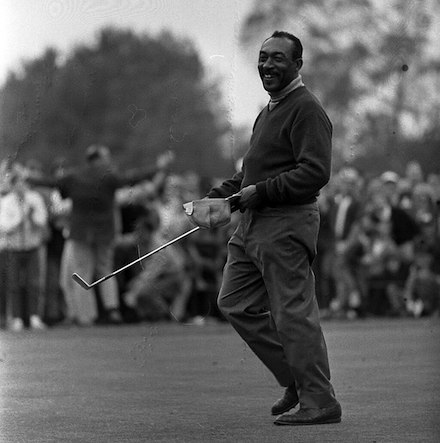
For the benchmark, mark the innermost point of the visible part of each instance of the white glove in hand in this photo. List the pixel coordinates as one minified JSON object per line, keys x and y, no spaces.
{"x":209,"y":212}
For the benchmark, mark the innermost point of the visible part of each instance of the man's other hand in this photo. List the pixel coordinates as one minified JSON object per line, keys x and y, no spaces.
{"x":249,"y":198}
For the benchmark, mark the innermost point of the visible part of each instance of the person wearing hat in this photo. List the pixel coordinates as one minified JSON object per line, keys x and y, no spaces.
{"x":88,"y":250}
{"x":268,"y":287}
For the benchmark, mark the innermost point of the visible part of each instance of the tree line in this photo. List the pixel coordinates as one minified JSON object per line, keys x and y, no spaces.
{"x":137,"y":94}
{"x":374,"y":65}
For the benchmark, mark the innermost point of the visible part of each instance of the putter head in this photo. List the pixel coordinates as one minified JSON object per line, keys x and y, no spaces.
{"x":80,"y":281}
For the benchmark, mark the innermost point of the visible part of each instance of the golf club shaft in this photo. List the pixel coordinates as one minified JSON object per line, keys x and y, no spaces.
{"x":185,"y":234}
{"x":78,"y":279}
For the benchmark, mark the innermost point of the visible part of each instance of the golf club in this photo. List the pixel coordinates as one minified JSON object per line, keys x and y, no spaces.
{"x":78,"y":279}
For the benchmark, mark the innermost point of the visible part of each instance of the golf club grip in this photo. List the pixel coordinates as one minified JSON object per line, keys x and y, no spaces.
{"x":233,"y":200}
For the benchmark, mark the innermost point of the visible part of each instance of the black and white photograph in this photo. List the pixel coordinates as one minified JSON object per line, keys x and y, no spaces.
{"x":219,"y":221}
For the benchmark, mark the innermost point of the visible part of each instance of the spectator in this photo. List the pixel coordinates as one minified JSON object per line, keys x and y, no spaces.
{"x":174,"y":222}
{"x":35,"y":167}
{"x":413,"y":173}
{"x":23,"y":226}
{"x":345,"y":213}
{"x":207,"y":254}
{"x":425,"y":211}
{"x":133,"y":200}
{"x":324,"y":261}
{"x":89,"y":247}
{"x":173,"y":219}
{"x":59,"y":213}
{"x":153,"y":287}
{"x":422,"y":290}
{"x":4,"y":189}
{"x":403,"y":226}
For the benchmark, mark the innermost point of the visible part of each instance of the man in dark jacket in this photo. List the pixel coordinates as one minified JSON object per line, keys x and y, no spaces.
{"x":89,"y":247}
{"x":268,"y":289}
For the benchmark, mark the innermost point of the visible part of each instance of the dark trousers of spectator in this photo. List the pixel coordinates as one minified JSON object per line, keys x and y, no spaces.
{"x":377,"y":302}
{"x":23,"y":283}
{"x":268,"y":296}
{"x":325,"y":284}
{"x":3,"y":288}
{"x":54,"y":304}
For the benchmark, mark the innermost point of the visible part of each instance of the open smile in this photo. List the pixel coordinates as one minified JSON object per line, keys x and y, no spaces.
{"x":269,"y":76}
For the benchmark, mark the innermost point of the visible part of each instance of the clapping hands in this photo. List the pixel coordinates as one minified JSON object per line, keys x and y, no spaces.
{"x":249,"y":198}
{"x":164,"y":160}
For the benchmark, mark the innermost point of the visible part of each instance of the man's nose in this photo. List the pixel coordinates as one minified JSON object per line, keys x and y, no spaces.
{"x":267,"y":63}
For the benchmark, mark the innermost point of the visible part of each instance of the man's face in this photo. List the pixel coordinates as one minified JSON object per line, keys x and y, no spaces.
{"x":275,"y":64}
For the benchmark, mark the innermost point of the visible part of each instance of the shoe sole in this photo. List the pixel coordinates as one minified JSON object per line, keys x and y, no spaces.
{"x":321,"y":422}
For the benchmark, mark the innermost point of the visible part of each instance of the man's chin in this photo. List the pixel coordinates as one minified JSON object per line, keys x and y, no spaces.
{"x":271,"y":86}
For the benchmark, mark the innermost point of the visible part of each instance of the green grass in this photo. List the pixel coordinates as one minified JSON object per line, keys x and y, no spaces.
{"x":177,"y":383}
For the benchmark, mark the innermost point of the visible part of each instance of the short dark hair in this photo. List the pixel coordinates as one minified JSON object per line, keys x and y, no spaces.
{"x":297,"y":46}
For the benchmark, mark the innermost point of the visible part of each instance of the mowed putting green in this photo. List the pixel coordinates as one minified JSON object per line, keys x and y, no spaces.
{"x":177,"y":383}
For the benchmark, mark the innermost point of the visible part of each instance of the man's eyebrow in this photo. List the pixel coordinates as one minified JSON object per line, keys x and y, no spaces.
{"x":274,"y":53}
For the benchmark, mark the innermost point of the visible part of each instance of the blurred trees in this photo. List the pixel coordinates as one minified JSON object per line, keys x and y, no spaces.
{"x":137,"y":94}
{"x":374,"y":65}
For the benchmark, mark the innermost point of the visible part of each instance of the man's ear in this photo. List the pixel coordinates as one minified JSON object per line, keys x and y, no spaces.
{"x":299,"y":63}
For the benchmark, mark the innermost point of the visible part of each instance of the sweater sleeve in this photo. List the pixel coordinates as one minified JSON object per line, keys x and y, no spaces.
{"x":134,"y":176}
{"x":40,"y":180}
{"x":228,"y":187}
{"x":310,"y":136}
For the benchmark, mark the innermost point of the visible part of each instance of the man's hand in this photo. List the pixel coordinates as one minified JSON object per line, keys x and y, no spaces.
{"x":164,"y":160}
{"x":249,"y":198}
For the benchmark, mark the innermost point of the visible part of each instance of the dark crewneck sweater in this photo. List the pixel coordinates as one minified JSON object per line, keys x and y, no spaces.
{"x":289,"y":157}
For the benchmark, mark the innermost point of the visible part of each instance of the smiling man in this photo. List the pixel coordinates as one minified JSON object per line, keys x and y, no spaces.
{"x":279,"y":64}
{"x":268,"y":289}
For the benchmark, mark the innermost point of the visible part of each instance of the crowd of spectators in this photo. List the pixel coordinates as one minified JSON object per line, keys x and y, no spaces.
{"x":379,"y":244}
{"x":378,"y":248}
{"x":52,"y":225}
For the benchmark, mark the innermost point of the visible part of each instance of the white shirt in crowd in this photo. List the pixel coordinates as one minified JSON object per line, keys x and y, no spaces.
{"x":23,"y":220}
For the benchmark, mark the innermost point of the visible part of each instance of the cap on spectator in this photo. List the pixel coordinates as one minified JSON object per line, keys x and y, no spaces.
{"x":96,"y":151}
{"x":389,"y":177}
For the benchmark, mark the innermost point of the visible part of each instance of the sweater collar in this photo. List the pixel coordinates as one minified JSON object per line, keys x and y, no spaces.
{"x":275,"y":98}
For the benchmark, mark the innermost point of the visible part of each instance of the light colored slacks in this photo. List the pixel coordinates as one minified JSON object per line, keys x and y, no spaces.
{"x":90,"y":261}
